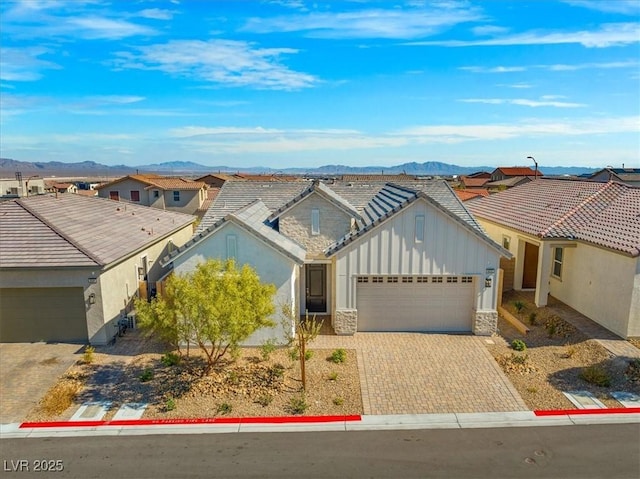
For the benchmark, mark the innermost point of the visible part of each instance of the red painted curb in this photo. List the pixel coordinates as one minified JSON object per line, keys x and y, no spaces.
{"x":184,"y":422}
{"x":573,"y":412}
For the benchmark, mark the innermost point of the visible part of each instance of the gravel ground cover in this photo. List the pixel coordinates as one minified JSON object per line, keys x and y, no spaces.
{"x":558,"y":358}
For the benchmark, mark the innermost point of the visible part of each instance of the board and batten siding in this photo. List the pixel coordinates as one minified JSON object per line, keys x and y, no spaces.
{"x":271,"y":266}
{"x":448,"y":248}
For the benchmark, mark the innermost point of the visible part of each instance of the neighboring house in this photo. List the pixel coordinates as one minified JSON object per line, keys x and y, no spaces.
{"x":165,"y":193}
{"x":507,"y":183}
{"x":629,"y":176}
{"x":216,"y":180}
{"x":480,"y":174}
{"x":70,"y":265}
{"x":576,"y":240}
{"x":19,"y":187}
{"x":379,"y":177}
{"x":470,"y":183}
{"x":371,"y":256}
{"x":466,"y":195}
{"x":58,"y":187}
{"x":503,"y":173}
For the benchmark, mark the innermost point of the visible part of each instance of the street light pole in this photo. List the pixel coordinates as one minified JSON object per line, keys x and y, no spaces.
{"x":535,"y":177}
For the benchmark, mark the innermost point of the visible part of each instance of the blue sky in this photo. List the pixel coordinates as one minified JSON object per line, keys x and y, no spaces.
{"x":296,"y":83}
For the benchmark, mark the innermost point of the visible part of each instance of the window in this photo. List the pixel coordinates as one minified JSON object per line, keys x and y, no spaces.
{"x":315,"y":221}
{"x":407,"y":279}
{"x":376,"y":279}
{"x":135,"y":195}
{"x":436,"y":279}
{"x":506,"y":242}
{"x":392,"y":279}
{"x":419,"y":229}
{"x":232,"y":246}
{"x":467,"y":279}
{"x":156,"y":194}
{"x":114,"y":195}
{"x":363,"y":279}
{"x":422,"y":279}
{"x":176,"y":196}
{"x":557,"y":262}
{"x":452,"y":279}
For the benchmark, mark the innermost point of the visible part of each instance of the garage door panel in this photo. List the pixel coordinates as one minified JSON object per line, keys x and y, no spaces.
{"x":428,"y":305}
{"x":42,"y":314}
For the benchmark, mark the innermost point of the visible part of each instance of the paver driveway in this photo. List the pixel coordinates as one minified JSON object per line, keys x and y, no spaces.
{"x":27,"y":371}
{"x":414,"y":373}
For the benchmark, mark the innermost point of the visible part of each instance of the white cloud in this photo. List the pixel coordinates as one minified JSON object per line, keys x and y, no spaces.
{"x":115,"y":99}
{"x":624,"y":7}
{"x":499,"y":69}
{"x":371,"y":23}
{"x":488,"y":30}
{"x":547,"y":101}
{"x":23,"y":64}
{"x":156,"y":14}
{"x":517,"y":85}
{"x":554,"y":67}
{"x":607,"y":35}
{"x":226,"y":62}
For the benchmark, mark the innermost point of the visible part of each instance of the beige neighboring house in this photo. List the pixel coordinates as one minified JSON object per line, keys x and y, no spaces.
{"x":162,"y":192}
{"x":578,"y":241}
{"x":19,"y":187}
{"x":71,"y":265}
{"x":367,"y":256}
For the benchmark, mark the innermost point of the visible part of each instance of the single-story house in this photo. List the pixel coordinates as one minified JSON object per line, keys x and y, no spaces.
{"x":505,"y":172}
{"x":630,"y":176}
{"x":20,"y":186}
{"x":70,"y":265}
{"x":371,"y":256}
{"x":576,"y":240}
{"x":162,"y":192}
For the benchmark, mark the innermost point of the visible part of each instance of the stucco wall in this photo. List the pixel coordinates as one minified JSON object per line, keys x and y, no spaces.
{"x":296,"y":224}
{"x":124,"y":189}
{"x":271,"y":266}
{"x":634,"y":310}
{"x":390,"y":249}
{"x":190,"y":201}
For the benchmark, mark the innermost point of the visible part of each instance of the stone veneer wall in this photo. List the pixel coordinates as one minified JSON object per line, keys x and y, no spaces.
{"x":345,"y":321}
{"x":485,"y":323}
{"x":296,"y":224}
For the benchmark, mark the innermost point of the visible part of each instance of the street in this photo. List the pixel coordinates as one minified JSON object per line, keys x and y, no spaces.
{"x":595,"y":451}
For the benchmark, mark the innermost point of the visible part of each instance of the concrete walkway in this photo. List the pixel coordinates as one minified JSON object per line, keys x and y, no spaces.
{"x":415,"y":373}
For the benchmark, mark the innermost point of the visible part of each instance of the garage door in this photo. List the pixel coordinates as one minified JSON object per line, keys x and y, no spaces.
{"x":42,"y":314}
{"x":415,"y":303}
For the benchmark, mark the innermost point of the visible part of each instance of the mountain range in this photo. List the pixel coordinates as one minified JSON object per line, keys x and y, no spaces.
{"x":8,"y":168}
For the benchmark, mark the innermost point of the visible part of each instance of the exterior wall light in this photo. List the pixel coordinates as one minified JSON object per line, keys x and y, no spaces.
{"x":487,"y":282}
{"x":92,"y":298}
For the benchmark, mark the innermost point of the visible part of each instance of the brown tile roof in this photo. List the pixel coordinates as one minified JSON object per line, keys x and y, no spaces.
{"x":518,"y":171}
{"x":473,"y":182}
{"x":74,"y":230}
{"x":212,"y":192}
{"x":260,"y":177}
{"x":466,"y":195}
{"x":379,"y":177}
{"x":605,"y":214}
{"x":159,"y":181}
{"x":510,"y":182}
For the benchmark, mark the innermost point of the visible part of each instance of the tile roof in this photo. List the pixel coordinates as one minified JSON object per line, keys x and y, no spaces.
{"x":159,"y":181}
{"x":474,"y":182}
{"x":510,"y":182}
{"x":212,"y":192}
{"x":74,"y":230}
{"x":605,"y":214}
{"x":379,"y":177}
{"x":517,"y":171}
{"x":254,"y":218}
{"x":466,"y":195}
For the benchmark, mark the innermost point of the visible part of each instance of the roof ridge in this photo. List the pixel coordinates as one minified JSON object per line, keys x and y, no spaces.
{"x":59,"y":233}
{"x":569,"y":214}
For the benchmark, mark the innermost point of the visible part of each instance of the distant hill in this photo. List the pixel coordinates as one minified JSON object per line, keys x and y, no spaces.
{"x":8,"y":167}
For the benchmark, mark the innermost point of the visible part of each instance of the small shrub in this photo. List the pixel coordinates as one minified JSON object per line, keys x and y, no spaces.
{"x":552,"y":328}
{"x":60,"y":397}
{"x":338,"y":401}
{"x":519,"y":358}
{"x":224,"y":408}
{"x":519,"y":306}
{"x":298,"y":405}
{"x":596,"y":375}
{"x":276,"y":371}
{"x":570,"y":352}
{"x":294,"y":355}
{"x":147,"y":375}
{"x":233,"y":377}
{"x":267,"y":348}
{"x":308,"y":354}
{"x":338,"y":356}
{"x":633,"y":371}
{"x":533,"y":318}
{"x":88,"y":356}
{"x":264,"y":399}
{"x":532,"y":389}
{"x":519,"y":345}
{"x":333,"y":376}
{"x":170,"y":359}
{"x":170,"y":405}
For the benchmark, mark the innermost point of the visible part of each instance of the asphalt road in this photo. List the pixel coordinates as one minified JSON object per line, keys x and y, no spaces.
{"x":598,"y":451}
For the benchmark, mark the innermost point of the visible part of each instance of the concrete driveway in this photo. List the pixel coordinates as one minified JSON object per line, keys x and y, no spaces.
{"x":414,"y":373}
{"x":27,"y":371}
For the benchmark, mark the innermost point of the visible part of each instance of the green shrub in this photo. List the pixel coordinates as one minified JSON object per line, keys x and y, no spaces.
{"x":87,"y":357}
{"x":338,"y":356}
{"x":519,"y":306}
{"x":308,"y":354}
{"x":333,"y":376}
{"x":147,"y":375}
{"x":294,"y":355}
{"x":264,"y":399}
{"x":596,"y":375}
{"x":533,"y":318}
{"x":233,"y":377}
{"x":519,"y":358}
{"x":267,"y":348}
{"x":338,"y":401}
{"x":552,"y":328}
{"x":298,"y":405}
{"x":276,"y":371}
{"x":170,"y":359}
{"x":170,"y":405}
{"x":224,"y":408}
{"x":519,"y":345}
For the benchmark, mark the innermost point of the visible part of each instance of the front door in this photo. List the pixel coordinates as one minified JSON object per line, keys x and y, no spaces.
{"x":530,"y":267}
{"x":316,"y":293}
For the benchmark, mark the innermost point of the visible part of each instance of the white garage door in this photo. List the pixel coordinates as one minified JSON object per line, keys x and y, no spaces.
{"x":415,"y":303}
